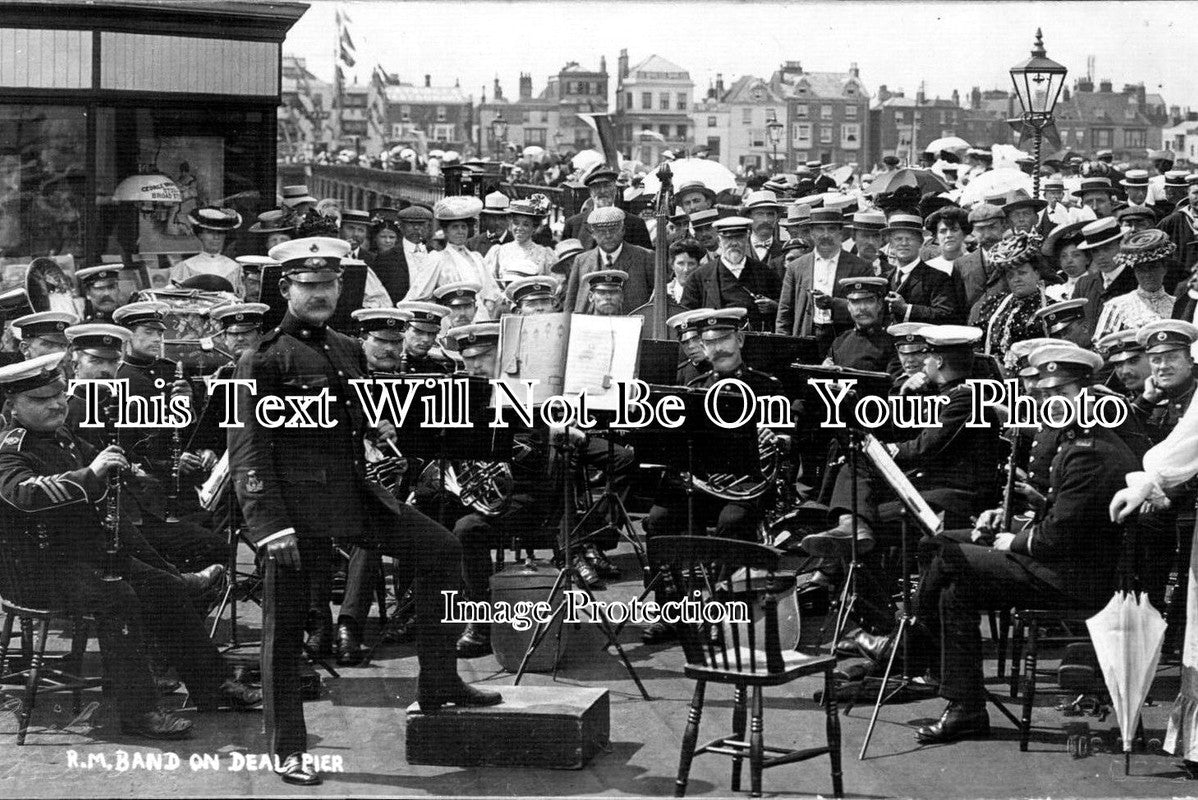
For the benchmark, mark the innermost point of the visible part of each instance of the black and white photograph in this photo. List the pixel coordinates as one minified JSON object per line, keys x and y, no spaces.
{"x":321,"y":476}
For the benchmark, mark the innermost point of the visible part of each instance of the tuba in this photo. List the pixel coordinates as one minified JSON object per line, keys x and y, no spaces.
{"x":485,"y":486}
{"x":728,"y":486}
{"x":48,"y":287}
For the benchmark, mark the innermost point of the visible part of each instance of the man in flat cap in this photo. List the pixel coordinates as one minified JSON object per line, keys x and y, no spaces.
{"x":601,"y":183}
{"x":300,"y":488}
{"x":1067,"y":557}
{"x":693,"y":196}
{"x":735,"y":278}
{"x":100,"y":286}
{"x":607,"y":225}
{"x":812,"y":296}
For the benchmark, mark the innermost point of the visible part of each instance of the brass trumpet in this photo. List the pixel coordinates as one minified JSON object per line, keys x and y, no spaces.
{"x":731,"y":487}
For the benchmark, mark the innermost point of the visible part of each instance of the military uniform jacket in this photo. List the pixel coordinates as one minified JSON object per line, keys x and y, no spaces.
{"x":1161,"y":418}
{"x":870,"y":349}
{"x":426,"y":365}
{"x":953,"y":456}
{"x":761,"y":383}
{"x":154,"y":448}
{"x":312,"y":480}
{"x":1076,"y":546}
{"x":48,"y":490}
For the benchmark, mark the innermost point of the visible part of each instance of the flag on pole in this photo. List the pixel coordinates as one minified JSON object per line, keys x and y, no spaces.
{"x":601,"y":125}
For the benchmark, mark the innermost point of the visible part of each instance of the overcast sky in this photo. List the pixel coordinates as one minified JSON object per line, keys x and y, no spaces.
{"x":948,"y":45}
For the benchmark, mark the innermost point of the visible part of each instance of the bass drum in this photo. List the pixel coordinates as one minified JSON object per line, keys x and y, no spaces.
{"x":190,"y":332}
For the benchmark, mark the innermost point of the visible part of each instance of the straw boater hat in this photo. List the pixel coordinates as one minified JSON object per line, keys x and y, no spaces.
{"x":212,"y":218}
{"x":458,"y":207}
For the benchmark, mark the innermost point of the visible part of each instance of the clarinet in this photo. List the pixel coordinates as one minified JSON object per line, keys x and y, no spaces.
{"x":112,"y":508}
{"x":172,"y":498}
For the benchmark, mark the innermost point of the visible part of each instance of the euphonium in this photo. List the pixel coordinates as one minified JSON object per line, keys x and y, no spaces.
{"x":172,"y":498}
{"x":485,"y":486}
{"x":728,"y":486}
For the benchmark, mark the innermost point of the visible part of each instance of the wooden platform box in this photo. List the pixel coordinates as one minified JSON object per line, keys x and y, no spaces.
{"x":551,"y":727}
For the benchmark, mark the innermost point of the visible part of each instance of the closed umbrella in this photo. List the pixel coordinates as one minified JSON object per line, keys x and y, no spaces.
{"x":923,"y":179}
{"x":1127,"y":637}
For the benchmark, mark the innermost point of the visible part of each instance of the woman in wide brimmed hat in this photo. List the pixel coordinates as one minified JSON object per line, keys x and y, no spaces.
{"x":1010,"y":317}
{"x":274,"y":227}
{"x":212,"y":226}
{"x":457,"y":216}
{"x":524,"y":217}
{"x":1149,"y":254}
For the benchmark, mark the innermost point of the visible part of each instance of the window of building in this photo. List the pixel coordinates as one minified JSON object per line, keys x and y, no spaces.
{"x":646,"y":101}
{"x":682,"y":132}
{"x":396,"y":130}
{"x":900,"y":117}
{"x":405,"y":112}
{"x":802,"y":134}
{"x":534,"y":136}
{"x":682,"y":101}
{"x":825,"y":112}
{"x":800,"y":155}
{"x":1129,"y":112}
{"x":850,"y":136}
{"x":525,"y":117}
{"x":443,"y":133}
{"x":711,"y":122}
{"x":1080,"y":136}
{"x":801,"y":111}
{"x":1102,"y":137}
{"x":757,"y":139}
{"x":628,"y":100}
{"x":746,"y":116}
{"x":1134,"y":137}
{"x":825,"y":134}
{"x":713,"y":146}
{"x":43,"y":191}
{"x":750,"y":162}
{"x":664,"y":130}
{"x":664,"y":100}
{"x":440,"y":113}
{"x":545,"y":117}
{"x":850,"y":111}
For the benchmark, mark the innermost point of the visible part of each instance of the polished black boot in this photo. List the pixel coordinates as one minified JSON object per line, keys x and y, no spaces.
{"x":475,"y":641}
{"x":957,"y":722}
{"x":320,"y":634}
{"x":349,"y":644}
{"x":457,"y":692}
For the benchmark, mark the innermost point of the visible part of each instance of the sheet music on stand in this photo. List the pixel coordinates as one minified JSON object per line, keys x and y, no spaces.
{"x":533,"y":348}
{"x":601,"y":352}
{"x":879,"y":456}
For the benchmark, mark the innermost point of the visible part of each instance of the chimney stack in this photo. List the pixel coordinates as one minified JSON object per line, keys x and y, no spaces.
{"x":854,"y":71}
{"x":622,"y":64}
{"x":975,"y":98}
{"x":525,"y":85}
{"x":719,"y":85}
{"x":956,"y":99}
{"x":1105,"y":85}
{"x":883,"y":93}
{"x":498,"y":89}
{"x":428,"y":81}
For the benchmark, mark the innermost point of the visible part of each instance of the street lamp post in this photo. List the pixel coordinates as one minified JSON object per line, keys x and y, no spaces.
{"x":1038,"y":82}
{"x":499,"y":134}
{"x":774,"y":128}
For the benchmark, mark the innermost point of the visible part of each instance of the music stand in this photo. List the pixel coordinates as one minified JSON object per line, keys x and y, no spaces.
{"x":774,"y":352}
{"x":568,"y":578}
{"x":657,"y":362}
{"x":913,"y":505}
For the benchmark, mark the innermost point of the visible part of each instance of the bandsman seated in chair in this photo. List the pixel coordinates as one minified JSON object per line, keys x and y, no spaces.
{"x":55,"y":486}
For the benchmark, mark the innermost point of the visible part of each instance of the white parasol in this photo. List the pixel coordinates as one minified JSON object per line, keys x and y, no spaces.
{"x":953,"y":144}
{"x":1005,"y":181}
{"x":1127,"y":637}
{"x":712,"y":174}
